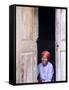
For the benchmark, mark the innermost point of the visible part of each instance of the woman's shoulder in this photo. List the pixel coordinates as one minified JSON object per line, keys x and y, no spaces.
{"x":50,"y":64}
{"x":40,"y":64}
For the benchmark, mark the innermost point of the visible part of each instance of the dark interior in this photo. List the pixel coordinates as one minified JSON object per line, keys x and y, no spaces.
{"x":46,"y":38}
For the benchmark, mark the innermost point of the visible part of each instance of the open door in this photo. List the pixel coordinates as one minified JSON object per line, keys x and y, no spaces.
{"x":26,"y":46}
{"x":60,"y":44}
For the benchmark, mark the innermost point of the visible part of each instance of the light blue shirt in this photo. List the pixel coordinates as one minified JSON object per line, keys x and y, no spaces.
{"x":46,"y":72}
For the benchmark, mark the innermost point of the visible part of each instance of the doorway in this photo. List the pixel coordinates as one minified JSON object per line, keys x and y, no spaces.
{"x":38,"y":29}
{"x":46,"y":37}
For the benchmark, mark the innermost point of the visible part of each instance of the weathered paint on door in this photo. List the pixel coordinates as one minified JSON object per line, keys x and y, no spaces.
{"x":60,"y":44}
{"x":26,"y":46}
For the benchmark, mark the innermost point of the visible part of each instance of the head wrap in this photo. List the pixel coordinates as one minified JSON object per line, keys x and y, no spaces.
{"x":46,"y":54}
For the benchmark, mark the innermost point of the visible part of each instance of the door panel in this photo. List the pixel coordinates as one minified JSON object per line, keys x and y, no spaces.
{"x":60,"y":44}
{"x":63,"y":65}
{"x":26,"y":46}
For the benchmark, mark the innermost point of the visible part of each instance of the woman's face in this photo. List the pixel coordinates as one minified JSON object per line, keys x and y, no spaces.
{"x":44,"y":60}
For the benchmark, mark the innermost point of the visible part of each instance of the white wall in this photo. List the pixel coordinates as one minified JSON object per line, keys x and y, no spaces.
{"x":4,"y":44}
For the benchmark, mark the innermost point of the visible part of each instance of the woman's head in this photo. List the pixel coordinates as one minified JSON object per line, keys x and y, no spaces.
{"x":45,"y":56}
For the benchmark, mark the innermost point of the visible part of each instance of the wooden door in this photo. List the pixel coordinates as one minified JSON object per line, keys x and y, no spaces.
{"x":60,"y":44}
{"x":26,"y":46}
